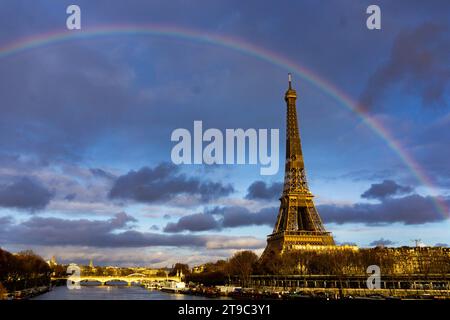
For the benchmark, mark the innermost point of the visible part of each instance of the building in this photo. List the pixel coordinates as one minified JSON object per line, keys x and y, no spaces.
{"x":420,"y":260}
{"x":198,"y":269}
{"x":298,"y":224}
{"x":52,"y":262}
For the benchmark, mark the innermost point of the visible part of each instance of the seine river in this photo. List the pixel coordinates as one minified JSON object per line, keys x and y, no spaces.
{"x":111,"y":293}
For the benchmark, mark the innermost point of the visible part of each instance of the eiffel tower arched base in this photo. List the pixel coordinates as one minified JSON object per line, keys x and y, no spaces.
{"x":283,"y":241}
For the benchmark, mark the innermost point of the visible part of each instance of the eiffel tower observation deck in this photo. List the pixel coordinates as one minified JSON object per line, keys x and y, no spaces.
{"x":298,"y":223}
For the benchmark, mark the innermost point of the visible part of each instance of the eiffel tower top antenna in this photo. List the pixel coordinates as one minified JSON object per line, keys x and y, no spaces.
{"x":290,"y":80}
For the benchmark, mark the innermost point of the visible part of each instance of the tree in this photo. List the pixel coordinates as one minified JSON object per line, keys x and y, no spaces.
{"x":3,"y":291}
{"x":160,"y":273}
{"x":35,"y":271}
{"x":242,"y":264}
{"x":23,"y":270}
{"x":59,"y":271}
{"x":214,"y":273}
{"x":271,"y":263}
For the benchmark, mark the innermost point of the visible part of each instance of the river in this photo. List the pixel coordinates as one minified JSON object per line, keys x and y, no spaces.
{"x":112,"y":293}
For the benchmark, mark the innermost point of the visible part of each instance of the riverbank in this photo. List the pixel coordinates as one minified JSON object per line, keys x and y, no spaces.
{"x":337,"y":294}
{"x":223,"y":292}
{"x":26,"y":293}
{"x":274,"y":293}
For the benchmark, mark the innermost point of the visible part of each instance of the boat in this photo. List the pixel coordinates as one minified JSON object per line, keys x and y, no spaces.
{"x":173,"y":287}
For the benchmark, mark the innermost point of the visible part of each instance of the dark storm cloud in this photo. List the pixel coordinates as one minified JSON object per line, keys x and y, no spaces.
{"x":263,"y":191}
{"x":412,"y":209}
{"x":227,"y":217}
{"x":239,"y":216}
{"x":53,"y":231}
{"x":419,"y":63}
{"x":381,"y":242}
{"x":70,"y":196}
{"x":164,"y":182}
{"x":24,"y":193}
{"x":364,"y":175}
{"x":102,"y":173}
{"x":194,"y":222}
{"x":112,"y":233}
{"x":83,"y":92}
{"x":58,"y":99}
{"x":385,"y":189}
{"x":5,"y":221}
{"x":434,"y":153}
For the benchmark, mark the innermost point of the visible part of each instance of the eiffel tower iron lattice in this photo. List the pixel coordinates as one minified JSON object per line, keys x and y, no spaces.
{"x":298,"y":223}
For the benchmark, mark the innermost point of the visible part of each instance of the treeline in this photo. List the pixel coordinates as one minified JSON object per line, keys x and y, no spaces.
{"x":243,"y":264}
{"x":325,"y":262}
{"x":392,"y":261}
{"x":333,"y":262}
{"x":22,"y":270}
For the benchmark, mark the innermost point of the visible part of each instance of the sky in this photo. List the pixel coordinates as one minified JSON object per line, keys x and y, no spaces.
{"x":87,"y":117}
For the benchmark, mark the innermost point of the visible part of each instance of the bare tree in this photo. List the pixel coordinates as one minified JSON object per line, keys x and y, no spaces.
{"x":242,"y":264}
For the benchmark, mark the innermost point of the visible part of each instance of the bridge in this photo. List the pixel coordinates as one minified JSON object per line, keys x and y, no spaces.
{"x":131,"y":278}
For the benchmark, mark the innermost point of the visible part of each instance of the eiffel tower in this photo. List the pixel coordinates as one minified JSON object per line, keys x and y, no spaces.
{"x":298,"y":223}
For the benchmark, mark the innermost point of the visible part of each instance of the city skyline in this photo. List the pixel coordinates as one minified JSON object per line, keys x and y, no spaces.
{"x":85,"y":167}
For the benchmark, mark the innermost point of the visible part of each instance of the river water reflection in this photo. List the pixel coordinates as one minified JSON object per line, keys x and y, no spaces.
{"x":112,"y":293}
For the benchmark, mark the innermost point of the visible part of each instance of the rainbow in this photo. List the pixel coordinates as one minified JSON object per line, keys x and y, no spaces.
{"x":245,"y":48}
